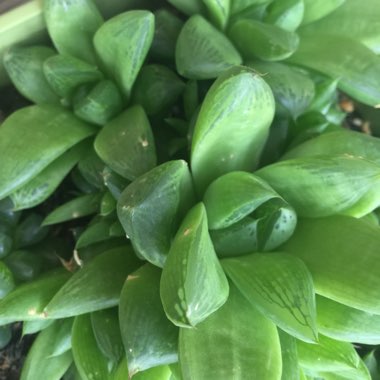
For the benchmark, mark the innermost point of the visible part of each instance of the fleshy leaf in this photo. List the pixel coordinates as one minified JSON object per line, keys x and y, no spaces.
{"x":317,"y":9}
{"x":329,"y":55}
{"x":345,"y":323}
{"x":155,"y":373}
{"x":39,"y":365}
{"x":238,"y":6}
{"x":256,"y":39}
{"x":326,"y":185}
{"x":202,"y":51}
{"x":151,"y":208}
{"x":62,"y":337}
{"x":243,"y":344}
{"x":46,"y":182}
{"x":64,"y":73}
{"x":89,"y":360}
{"x":27,"y":301}
{"x":122,"y":44}
{"x":76,"y":208}
{"x":7,"y":283}
{"x":189,"y":7}
{"x":239,"y":105}
{"x":351,"y":19}
{"x":24,"y":265}
{"x":157,"y":88}
{"x":219,"y":12}
{"x":289,"y":353}
{"x":24,"y":67}
{"x":327,"y":246}
{"x":327,"y":355}
{"x":98,"y":104}
{"x":286,"y":14}
{"x":53,"y":131}
{"x":105,"y":325}
{"x":126,"y":144}
{"x":245,"y":215}
{"x":153,"y":339}
{"x":339,"y":142}
{"x":280,"y":287}
{"x":94,"y":287}
{"x":98,"y":230}
{"x":292,"y":89}
{"x":71,"y":26}
{"x":193,"y":284}
{"x":29,"y":231}
{"x":33,"y":327}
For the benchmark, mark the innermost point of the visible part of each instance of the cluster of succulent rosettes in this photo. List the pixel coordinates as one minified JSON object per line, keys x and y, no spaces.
{"x":191,"y":128}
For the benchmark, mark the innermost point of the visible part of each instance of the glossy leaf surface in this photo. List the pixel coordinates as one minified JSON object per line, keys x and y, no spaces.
{"x":189,"y":7}
{"x":242,"y":208}
{"x":24,"y":67}
{"x":218,"y":12}
{"x":27,"y":302}
{"x":317,"y":9}
{"x":89,"y":360}
{"x":7,"y":283}
{"x":94,"y":287}
{"x":345,"y":323}
{"x":280,"y":287}
{"x":256,"y":39}
{"x":76,"y":208}
{"x":153,"y":339}
{"x":193,"y":284}
{"x":286,"y":14}
{"x":222,"y":346}
{"x":52,"y":129}
{"x":79,"y":18}
{"x":64,"y":73}
{"x":151,"y":208}
{"x":329,"y":55}
{"x":122,"y":44}
{"x":326,"y":185}
{"x":239,"y":105}
{"x":126,"y":144}
{"x":39,"y":365}
{"x":326,"y":245}
{"x":202,"y":51}
{"x":33,"y":327}
{"x":289,"y":354}
{"x":62,"y":337}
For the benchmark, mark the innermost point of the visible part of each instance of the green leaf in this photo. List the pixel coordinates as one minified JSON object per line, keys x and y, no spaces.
{"x":105,"y":325}
{"x":317,"y":9}
{"x":33,"y":327}
{"x":24,"y":67}
{"x":94,"y":287}
{"x":71,"y":26}
{"x":52,"y":130}
{"x":190,"y":98}
{"x":155,"y":373}
{"x":62,"y":341}
{"x":29,"y":231}
{"x":242,"y":208}
{"x":345,"y":323}
{"x":89,"y":360}
{"x":329,"y":55}
{"x":5,"y":243}
{"x":189,"y":7}
{"x":202,"y":51}
{"x":64,"y":73}
{"x":46,"y":182}
{"x":289,"y":353}
{"x":151,"y":208}
{"x":231,"y":345}
{"x":157,"y":88}
{"x":7,"y":282}
{"x":126,"y":144}
{"x":286,"y":14}
{"x":99,"y":104}
{"x":107,"y":204}
{"x":167,"y":29}
{"x":27,"y":301}
{"x":98,"y":230}
{"x":280,"y":287}
{"x":360,"y":373}
{"x":38,"y":365}
{"x":371,"y":362}
{"x":339,"y":142}
{"x":5,"y":336}
{"x":329,"y":247}
{"x":153,"y":339}
{"x":76,"y":208}
{"x":193,"y":284}
{"x":24,"y":265}
{"x":256,"y":39}
{"x":238,"y":6}
{"x":122,"y":44}
{"x":239,"y":105}
{"x":292,"y":88}
{"x":326,"y":185}
{"x":219,"y":12}
{"x":327,"y":355}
